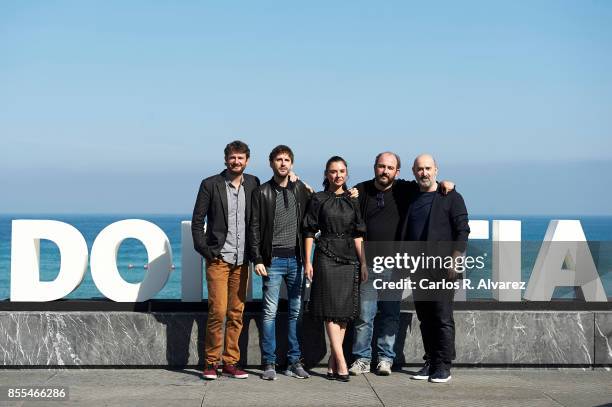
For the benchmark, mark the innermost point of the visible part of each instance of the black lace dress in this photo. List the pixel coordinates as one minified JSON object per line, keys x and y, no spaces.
{"x":335,"y":287}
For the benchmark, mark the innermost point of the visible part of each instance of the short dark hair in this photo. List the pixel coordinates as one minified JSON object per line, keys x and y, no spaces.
{"x":399,"y":163}
{"x":280,"y":149}
{"x":237,"y":146}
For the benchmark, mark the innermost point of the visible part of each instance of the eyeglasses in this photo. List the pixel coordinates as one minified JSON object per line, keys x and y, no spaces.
{"x":380,"y":200}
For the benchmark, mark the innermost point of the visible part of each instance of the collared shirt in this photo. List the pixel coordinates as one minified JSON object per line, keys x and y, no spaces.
{"x":233,"y":250}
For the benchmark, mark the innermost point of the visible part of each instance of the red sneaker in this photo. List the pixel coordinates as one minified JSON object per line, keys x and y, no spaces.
{"x":234,"y":371}
{"x":210,"y":372}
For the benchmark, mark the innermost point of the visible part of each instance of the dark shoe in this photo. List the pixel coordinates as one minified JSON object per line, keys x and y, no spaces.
{"x":343,"y":377}
{"x":269,"y":372}
{"x":297,"y":370}
{"x":440,"y":375}
{"x":234,"y":371}
{"x":423,"y":374}
{"x":330,"y":371}
{"x":210,"y":372}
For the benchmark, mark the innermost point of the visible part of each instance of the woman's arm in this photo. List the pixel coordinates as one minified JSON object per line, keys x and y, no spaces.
{"x":361,"y":256}
{"x":310,"y":227}
{"x":308,"y":271}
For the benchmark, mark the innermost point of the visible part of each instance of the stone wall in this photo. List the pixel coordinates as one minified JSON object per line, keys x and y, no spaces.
{"x":175,"y":339}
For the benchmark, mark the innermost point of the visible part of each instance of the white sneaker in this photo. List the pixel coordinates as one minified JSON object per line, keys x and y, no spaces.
{"x":359,"y":366}
{"x":383,"y":368}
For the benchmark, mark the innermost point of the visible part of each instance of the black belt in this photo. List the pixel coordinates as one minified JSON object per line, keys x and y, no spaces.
{"x":284,"y":252}
{"x":335,"y":235}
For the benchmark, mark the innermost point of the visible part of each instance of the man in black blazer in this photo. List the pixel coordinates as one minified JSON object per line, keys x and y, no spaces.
{"x":442,"y":222}
{"x":224,"y":200}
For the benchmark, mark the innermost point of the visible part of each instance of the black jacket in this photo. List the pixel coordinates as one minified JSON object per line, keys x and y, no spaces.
{"x":448,"y":220}
{"x":211,"y":204}
{"x":403,"y":193}
{"x":262,"y":219}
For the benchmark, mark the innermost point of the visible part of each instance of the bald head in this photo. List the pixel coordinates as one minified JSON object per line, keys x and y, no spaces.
{"x":425,"y":171}
{"x":424,"y":158}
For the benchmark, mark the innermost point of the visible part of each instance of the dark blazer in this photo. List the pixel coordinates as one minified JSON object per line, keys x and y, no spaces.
{"x":262,"y":219}
{"x":211,"y":204}
{"x":448,"y":220}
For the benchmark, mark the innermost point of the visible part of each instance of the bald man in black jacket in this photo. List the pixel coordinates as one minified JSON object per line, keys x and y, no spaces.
{"x":442,"y":222}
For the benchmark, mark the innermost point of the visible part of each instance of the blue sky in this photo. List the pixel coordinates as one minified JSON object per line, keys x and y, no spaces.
{"x":113,"y":107}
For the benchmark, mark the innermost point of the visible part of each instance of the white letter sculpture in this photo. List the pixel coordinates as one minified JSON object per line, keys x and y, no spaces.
{"x":191,"y":266}
{"x":104,"y":260}
{"x":564,"y":243}
{"x":25,"y":260}
{"x":506,"y":258}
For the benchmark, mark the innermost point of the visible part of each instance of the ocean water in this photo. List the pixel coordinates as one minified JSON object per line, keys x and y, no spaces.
{"x":132,"y":252}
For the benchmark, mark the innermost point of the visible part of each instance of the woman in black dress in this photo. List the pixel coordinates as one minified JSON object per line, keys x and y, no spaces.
{"x":339,"y":263}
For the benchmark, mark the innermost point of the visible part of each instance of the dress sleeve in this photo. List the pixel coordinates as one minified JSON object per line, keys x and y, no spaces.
{"x":359,"y":227}
{"x":310,"y":224}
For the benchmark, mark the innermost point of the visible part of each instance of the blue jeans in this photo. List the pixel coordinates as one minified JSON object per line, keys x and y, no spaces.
{"x":290,"y":270}
{"x":364,"y":324}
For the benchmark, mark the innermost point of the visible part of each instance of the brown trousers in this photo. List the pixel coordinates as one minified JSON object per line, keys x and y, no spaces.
{"x":227,"y":289}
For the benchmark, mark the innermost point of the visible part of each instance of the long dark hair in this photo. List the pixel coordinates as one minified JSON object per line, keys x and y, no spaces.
{"x":334,"y":159}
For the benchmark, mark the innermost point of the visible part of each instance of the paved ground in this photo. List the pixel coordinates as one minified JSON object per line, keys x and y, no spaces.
{"x":469,"y":387}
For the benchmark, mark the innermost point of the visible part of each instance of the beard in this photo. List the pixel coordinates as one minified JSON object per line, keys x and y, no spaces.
{"x":236,"y":169}
{"x":282,"y":173}
{"x":425,"y":182}
{"x":385,"y":181}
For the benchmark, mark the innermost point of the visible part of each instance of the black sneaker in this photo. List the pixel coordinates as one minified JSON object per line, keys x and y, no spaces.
{"x":423,"y":374}
{"x":440,"y":375}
